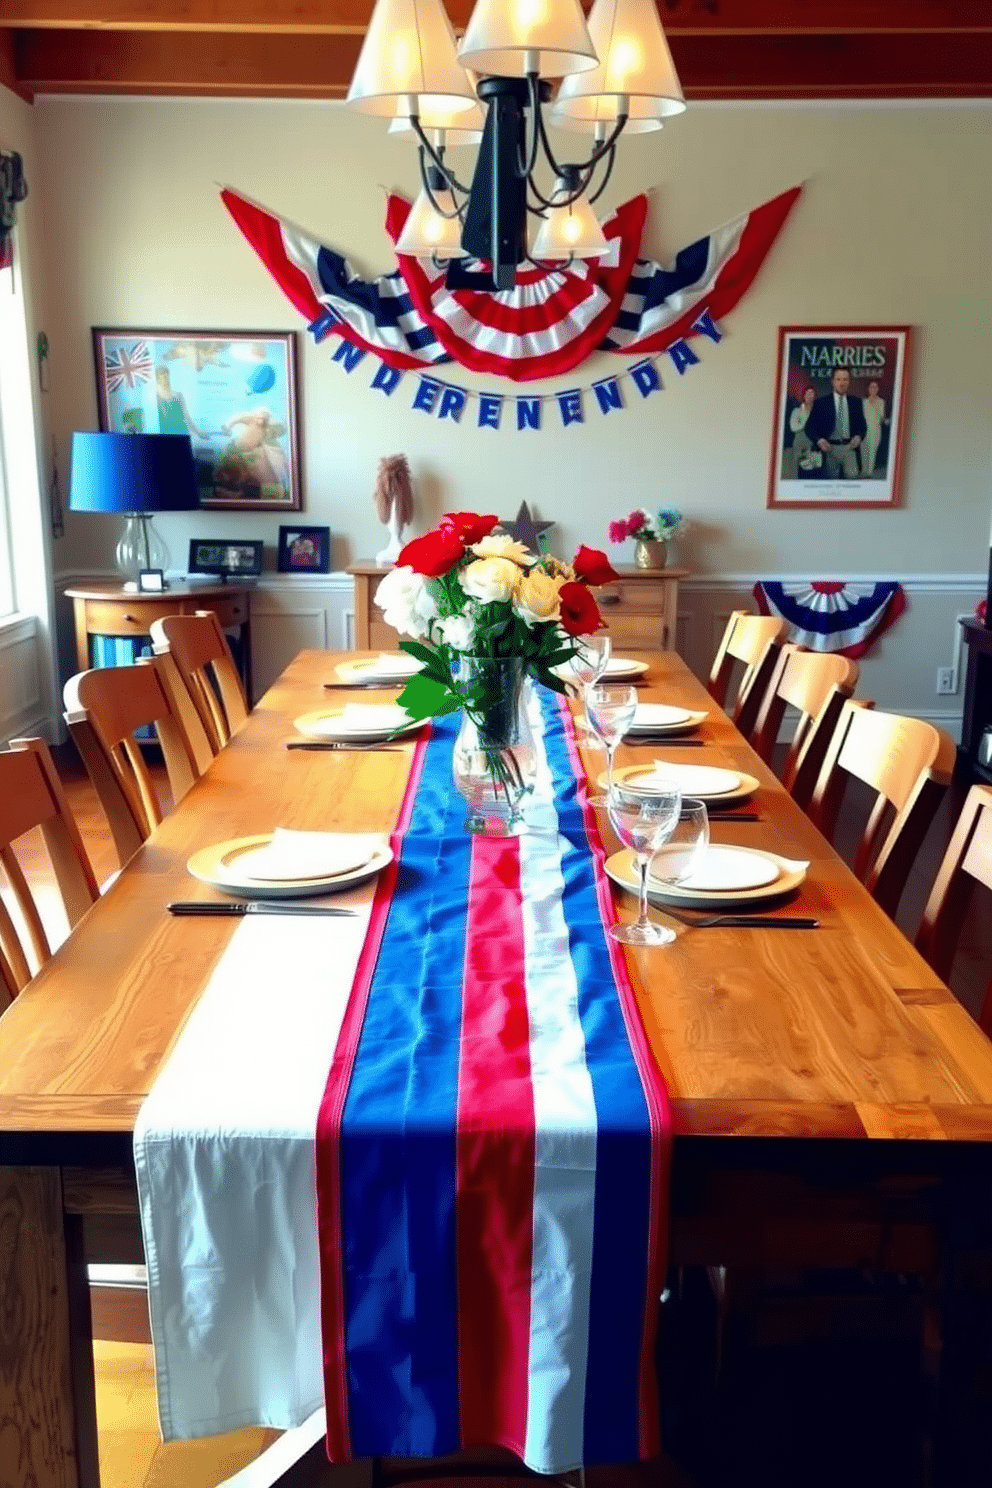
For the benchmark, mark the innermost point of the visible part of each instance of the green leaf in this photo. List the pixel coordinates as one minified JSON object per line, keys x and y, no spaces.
{"x":424,"y":697}
{"x":435,"y":664}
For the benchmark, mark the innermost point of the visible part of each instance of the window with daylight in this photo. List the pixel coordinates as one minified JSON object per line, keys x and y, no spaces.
{"x":16,"y":421}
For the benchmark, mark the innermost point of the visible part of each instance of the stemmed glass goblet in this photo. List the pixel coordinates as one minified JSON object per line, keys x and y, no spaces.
{"x":610,"y":709}
{"x":680,"y":855}
{"x":643,"y":822}
{"x":590,"y":660}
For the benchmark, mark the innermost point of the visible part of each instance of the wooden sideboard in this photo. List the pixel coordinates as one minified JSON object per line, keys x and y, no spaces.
{"x":640,"y":609}
{"x":105,"y":609}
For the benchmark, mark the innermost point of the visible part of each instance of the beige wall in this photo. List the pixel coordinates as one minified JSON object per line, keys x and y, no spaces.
{"x":893,"y":226}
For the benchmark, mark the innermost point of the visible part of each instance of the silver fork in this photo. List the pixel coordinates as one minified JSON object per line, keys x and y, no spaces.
{"x":744,"y":922}
{"x":339,"y":744}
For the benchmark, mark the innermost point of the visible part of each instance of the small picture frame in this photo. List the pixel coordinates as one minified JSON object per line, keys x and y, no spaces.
{"x":227,"y":558}
{"x":304,"y":549}
{"x":151,"y":581}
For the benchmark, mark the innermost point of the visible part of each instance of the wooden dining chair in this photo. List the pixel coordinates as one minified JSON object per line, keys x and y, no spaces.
{"x":201,"y":653}
{"x":104,"y":709}
{"x":31,"y":795}
{"x":966,"y":865}
{"x":816,"y":685}
{"x":752,"y":642}
{"x":908,"y":765}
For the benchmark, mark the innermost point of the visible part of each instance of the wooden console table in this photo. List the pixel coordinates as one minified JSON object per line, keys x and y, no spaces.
{"x":105,"y":609}
{"x":640,"y":609}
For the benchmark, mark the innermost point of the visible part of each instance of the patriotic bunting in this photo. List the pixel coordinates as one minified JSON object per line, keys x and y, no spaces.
{"x":548,"y":323}
{"x":832,"y":616}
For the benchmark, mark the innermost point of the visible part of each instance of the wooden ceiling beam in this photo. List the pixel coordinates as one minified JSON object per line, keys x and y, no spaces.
{"x":680,"y":17}
{"x":713,"y":67}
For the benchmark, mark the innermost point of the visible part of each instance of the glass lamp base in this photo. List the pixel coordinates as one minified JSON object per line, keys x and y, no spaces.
{"x":140,"y":546}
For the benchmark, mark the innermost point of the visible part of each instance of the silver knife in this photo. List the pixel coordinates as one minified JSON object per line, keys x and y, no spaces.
{"x":252,"y":906}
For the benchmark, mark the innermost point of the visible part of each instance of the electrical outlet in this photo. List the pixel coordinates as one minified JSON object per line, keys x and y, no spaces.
{"x":945,"y":681}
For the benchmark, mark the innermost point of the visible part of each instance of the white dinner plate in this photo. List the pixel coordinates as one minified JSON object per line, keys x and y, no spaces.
{"x":221,"y":867}
{"x":652,"y":718}
{"x":367,"y":721}
{"x":623,"y":666}
{"x":788,"y":874}
{"x":704,"y":782}
{"x":389,"y":666}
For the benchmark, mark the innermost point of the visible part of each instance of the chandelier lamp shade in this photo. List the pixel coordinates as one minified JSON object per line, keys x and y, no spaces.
{"x":616,"y":73}
{"x":134,"y":475}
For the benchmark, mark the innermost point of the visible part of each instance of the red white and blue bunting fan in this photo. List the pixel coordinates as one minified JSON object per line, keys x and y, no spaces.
{"x":832,"y":616}
{"x":545,"y":326}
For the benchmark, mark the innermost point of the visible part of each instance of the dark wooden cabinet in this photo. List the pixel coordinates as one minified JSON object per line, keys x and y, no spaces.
{"x":977,"y":697}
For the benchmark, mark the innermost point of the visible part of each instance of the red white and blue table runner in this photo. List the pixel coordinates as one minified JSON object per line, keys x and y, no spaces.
{"x":491,"y":1158}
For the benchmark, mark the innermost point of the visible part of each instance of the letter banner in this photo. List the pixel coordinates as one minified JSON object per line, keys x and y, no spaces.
{"x":552,"y":319}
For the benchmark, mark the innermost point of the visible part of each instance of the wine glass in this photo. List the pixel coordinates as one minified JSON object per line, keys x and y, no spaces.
{"x":643,"y":823}
{"x":685,"y":847}
{"x":589,"y":662}
{"x":610,"y":709}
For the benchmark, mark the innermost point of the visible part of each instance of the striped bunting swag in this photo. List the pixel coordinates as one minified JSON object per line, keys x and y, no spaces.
{"x":492,"y":1147}
{"x":827,"y":615}
{"x":552,"y":319}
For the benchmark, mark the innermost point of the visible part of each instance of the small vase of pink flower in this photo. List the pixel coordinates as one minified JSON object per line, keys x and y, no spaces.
{"x":651,"y":533}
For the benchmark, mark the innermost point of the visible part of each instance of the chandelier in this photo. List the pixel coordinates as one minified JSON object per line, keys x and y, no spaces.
{"x":494,"y":90}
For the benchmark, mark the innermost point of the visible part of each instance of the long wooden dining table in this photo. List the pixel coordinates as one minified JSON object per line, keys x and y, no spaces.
{"x":832,"y":1100}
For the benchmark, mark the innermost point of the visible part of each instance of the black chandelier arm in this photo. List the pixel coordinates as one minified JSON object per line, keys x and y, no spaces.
{"x":606,"y":176}
{"x":425,"y":177}
{"x":565,"y":200}
{"x":436,"y":159}
{"x":525,"y":168}
{"x":603,"y":148}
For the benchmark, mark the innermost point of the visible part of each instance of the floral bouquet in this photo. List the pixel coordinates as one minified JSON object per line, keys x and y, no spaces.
{"x":483,"y":613}
{"x":647,"y":528}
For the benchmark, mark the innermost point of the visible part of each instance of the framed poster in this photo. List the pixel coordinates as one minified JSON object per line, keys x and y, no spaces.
{"x":840,"y":405}
{"x":233,"y":392}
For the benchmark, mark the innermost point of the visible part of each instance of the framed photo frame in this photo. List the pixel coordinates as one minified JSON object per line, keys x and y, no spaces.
{"x":304,"y":549}
{"x":233,"y":392}
{"x":839,"y":417}
{"x":151,"y":581}
{"x":227,"y":558}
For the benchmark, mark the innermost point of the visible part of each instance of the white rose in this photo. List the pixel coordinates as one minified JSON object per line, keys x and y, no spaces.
{"x":457,"y":631}
{"x":536,"y":598}
{"x":501,"y":545}
{"x":405,"y":601}
{"x":489,"y":579}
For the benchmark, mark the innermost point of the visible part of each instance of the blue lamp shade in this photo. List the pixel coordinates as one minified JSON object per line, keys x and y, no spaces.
{"x":132,"y":473}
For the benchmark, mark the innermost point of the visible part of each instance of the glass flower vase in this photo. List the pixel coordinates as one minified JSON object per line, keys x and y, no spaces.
{"x":494,"y":764}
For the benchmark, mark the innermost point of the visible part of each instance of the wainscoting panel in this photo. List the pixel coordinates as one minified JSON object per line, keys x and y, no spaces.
{"x":22,"y":706}
{"x":287,"y":617}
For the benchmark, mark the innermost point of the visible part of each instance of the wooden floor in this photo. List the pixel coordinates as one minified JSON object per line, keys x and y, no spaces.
{"x":782,"y":1388}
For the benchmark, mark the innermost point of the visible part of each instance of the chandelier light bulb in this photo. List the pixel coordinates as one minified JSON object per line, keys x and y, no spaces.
{"x":569,"y":231}
{"x":635,"y":75}
{"x":510,"y":40}
{"x":409,"y":63}
{"x":428,"y":234}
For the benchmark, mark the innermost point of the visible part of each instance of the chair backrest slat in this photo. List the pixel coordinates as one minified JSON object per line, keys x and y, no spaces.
{"x":32,"y":795}
{"x":816,"y":685}
{"x":751,"y":641}
{"x":199,"y":648}
{"x":104,"y":710}
{"x":966,"y":866}
{"x":908,"y":765}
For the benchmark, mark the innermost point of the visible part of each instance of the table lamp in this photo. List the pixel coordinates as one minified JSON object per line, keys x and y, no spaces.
{"x":135,"y":475}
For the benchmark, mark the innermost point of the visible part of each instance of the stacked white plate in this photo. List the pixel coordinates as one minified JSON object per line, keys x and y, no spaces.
{"x":286,"y":864}
{"x":727,"y":877}
{"x":389,"y":666}
{"x":664,"y":718}
{"x":703,"y":782}
{"x":365,"y":722}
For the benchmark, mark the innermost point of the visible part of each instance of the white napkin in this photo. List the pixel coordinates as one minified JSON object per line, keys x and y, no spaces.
{"x":389,"y":664}
{"x":694,"y":780}
{"x":293,"y":855}
{"x":357,"y":718}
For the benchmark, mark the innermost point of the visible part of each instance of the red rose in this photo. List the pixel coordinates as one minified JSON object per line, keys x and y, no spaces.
{"x":579,"y":611}
{"x":470,"y":527}
{"x":592,"y":566}
{"x":434,"y":554}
